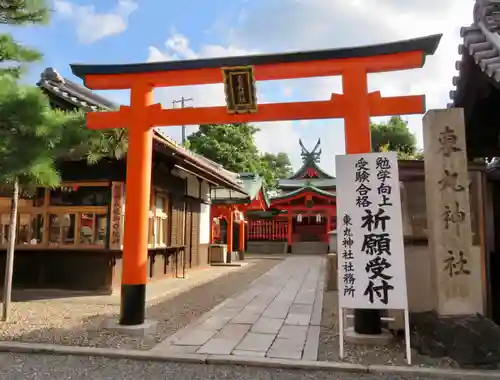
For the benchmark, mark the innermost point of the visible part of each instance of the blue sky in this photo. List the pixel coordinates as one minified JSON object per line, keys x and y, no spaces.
{"x":121,"y":31}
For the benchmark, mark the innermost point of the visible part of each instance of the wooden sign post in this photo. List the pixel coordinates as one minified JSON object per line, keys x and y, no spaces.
{"x":355,"y":105}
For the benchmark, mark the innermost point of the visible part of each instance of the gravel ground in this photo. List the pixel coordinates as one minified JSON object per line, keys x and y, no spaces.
{"x":393,"y":354}
{"x":78,"y":324}
{"x":47,"y":367}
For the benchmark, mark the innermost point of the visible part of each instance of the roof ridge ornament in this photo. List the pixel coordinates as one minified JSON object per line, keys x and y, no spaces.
{"x":311,"y":156}
{"x":51,"y":74}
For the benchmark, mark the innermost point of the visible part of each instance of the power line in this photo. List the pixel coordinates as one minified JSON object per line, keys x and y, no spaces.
{"x":183,"y":102}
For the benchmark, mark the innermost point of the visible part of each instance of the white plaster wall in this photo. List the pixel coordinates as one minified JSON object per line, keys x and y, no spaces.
{"x":204,"y":223}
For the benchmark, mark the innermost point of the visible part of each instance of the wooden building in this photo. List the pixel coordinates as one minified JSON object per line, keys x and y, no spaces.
{"x":71,"y":237}
{"x":299,"y":218}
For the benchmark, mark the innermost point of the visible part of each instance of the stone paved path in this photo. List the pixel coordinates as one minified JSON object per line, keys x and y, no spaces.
{"x":278,"y":316}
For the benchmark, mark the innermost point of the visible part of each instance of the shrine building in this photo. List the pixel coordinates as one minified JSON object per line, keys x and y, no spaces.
{"x":299,"y":218}
{"x":229,"y":208}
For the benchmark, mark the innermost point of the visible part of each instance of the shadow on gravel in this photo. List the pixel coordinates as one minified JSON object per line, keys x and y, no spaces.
{"x":172,"y":313}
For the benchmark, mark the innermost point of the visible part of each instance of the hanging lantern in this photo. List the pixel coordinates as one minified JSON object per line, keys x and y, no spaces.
{"x":318,"y":218}
{"x":299,"y":218}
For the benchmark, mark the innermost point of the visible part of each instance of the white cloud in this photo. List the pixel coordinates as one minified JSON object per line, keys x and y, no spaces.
{"x":290,"y":25}
{"x":282,"y":25}
{"x":91,"y":25}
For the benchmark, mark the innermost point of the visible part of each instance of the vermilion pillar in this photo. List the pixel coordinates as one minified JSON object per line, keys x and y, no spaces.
{"x":358,"y":140}
{"x":212,"y":226}
{"x":138,"y":188}
{"x":357,"y":111}
{"x":290,"y":229}
{"x":242,"y":236}
{"x":230,"y":221}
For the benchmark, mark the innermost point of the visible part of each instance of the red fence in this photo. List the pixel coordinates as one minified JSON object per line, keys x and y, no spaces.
{"x":259,"y":230}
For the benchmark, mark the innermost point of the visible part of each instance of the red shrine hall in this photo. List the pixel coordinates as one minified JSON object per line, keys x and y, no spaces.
{"x":299,"y":217}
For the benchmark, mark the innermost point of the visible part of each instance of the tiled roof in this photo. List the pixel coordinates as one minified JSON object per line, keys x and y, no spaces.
{"x":481,"y":42}
{"x":73,"y":93}
{"x":313,"y":165}
{"x":305,"y":189}
{"x":83,"y":98}
{"x":316,"y":182}
{"x":251,"y":183}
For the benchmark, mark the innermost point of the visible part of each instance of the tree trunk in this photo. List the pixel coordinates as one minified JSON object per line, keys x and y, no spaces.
{"x":9,"y":262}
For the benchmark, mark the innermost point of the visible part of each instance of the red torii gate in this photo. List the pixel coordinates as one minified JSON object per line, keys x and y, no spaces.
{"x":355,"y":105}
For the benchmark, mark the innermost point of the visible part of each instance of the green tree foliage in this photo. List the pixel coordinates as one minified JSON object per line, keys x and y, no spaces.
{"x":16,"y":118}
{"x":32,"y":135}
{"x":393,"y":135}
{"x":275,"y":167}
{"x":231,"y":145}
{"x":20,"y":12}
{"x":13,"y":55}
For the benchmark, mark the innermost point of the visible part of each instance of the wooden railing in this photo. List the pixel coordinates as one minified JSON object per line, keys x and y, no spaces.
{"x":261,"y":230}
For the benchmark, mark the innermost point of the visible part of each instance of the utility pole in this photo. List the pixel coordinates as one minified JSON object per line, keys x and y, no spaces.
{"x":182,"y":101}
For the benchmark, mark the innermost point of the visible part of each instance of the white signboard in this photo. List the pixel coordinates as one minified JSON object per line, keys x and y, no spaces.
{"x":371,"y":261}
{"x":205,"y":224}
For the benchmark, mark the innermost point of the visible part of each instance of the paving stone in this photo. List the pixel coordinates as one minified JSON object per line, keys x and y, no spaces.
{"x":293,"y":332}
{"x":254,"y":309}
{"x":312,"y":344}
{"x":268,"y":325}
{"x":301,"y":309}
{"x":277,"y":309}
{"x":272,"y":316}
{"x":318,"y":302}
{"x":216,"y":322}
{"x":219,"y":346}
{"x":256,"y":342}
{"x":298,"y":319}
{"x":305,"y":298}
{"x":276,"y":313}
{"x":317,"y":309}
{"x":249,"y":318}
{"x":285,"y":349}
{"x":255,"y":354}
{"x":234,"y":330}
{"x":196,"y":337}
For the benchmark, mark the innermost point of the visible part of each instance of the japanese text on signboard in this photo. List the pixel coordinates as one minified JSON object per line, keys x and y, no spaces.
{"x":371,"y":260}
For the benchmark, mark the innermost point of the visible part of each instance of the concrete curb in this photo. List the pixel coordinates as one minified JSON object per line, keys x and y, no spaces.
{"x":286,"y":364}
{"x":54,"y":349}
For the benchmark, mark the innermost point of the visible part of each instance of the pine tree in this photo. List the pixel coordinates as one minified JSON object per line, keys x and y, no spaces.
{"x":32,"y":137}
{"x":13,"y":55}
{"x":16,"y":115}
